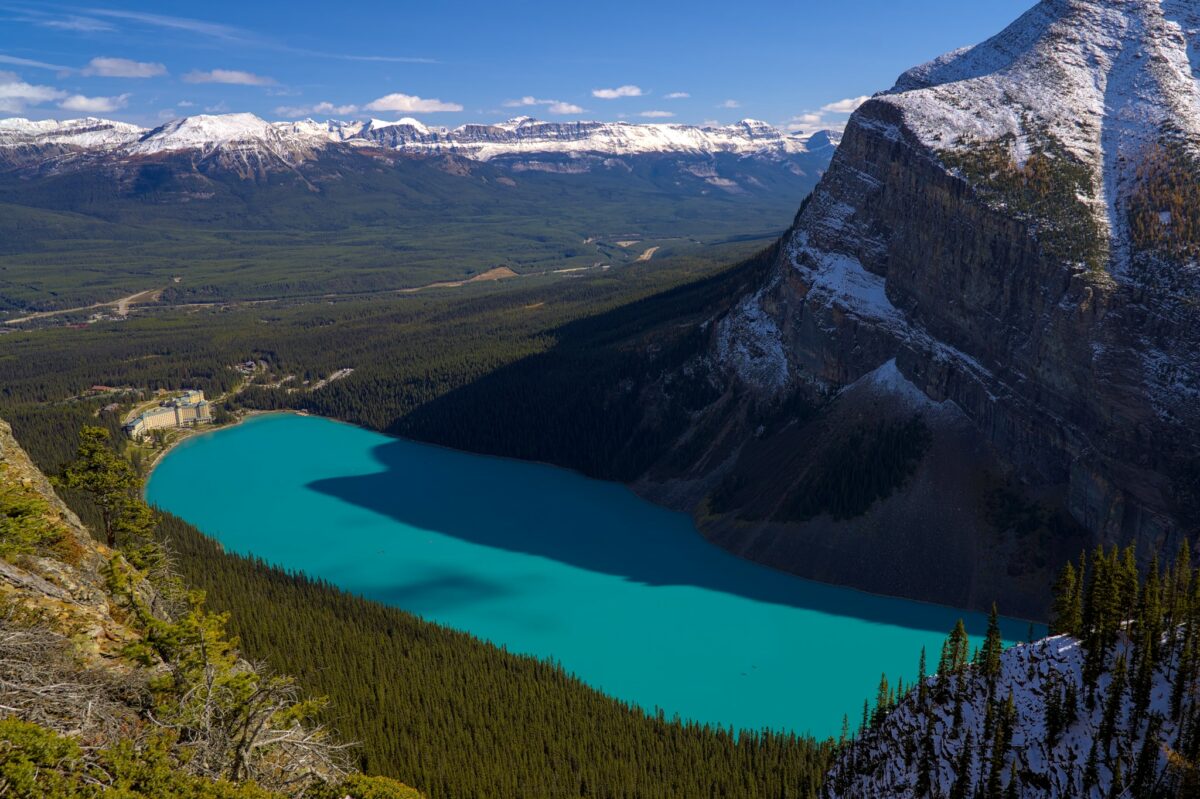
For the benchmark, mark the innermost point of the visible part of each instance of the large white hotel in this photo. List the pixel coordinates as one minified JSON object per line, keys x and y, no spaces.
{"x":186,"y":411}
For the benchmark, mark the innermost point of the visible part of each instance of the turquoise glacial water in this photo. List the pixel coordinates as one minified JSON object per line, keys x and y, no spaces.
{"x":624,"y":594}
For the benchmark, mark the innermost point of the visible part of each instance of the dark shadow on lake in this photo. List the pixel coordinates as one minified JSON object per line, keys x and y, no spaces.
{"x":601,"y":527}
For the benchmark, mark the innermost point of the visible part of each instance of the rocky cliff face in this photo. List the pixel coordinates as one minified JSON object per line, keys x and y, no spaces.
{"x":1012,"y":227}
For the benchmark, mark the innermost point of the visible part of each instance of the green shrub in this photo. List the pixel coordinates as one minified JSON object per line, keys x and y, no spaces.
{"x":28,"y":525}
{"x":37,"y":763}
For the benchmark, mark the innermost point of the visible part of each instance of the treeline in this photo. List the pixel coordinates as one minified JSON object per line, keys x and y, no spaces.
{"x":458,"y":718}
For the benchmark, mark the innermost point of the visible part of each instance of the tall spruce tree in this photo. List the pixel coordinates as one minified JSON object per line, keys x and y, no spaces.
{"x":993,"y":648}
{"x":964,"y":782}
{"x":1066,"y":614}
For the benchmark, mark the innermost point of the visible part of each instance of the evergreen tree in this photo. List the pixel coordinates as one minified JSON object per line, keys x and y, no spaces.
{"x":955,"y":651}
{"x":1070,"y":706}
{"x":1147,"y":761}
{"x":1091,"y":771}
{"x":1013,"y":789}
{"x":1067,"y":611}
{"x":963,"y":781}
{"x":1112,"y":705}
{"x":925,"y":764}
{"x":883,"y":702}
{"x":1054,"y":715}
{"x":993,"y":648}
{"x":922,"y":688}
{"x":110,"y":482}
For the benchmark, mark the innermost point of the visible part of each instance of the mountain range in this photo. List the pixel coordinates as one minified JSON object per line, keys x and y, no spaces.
{"x":251,"y":146}
{"x":392,"y":204}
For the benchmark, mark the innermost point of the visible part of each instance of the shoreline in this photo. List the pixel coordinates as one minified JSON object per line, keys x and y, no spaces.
{"x":189,"y":433}
{"x":696,"y":528}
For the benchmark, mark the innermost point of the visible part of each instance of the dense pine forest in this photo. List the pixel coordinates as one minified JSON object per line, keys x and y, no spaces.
{"x":460,"y":718}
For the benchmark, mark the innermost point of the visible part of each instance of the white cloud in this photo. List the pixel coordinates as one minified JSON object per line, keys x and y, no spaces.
{"x":677,"y":96}
{"x":94,"y":105}
{"x":558,"y":107}
{"x":847,"y":106}
{"x":831,"y":116}
{"x":185,"y":104}
{"x":16,"y":94}
{"x":563,"y":109}
{"x":324,"y":108}
{"x":123,"y":68}
{"x":656,"y":114}
{"x":407,"y":103}
{"x":27,"y":62}
{"x":78,"y":24}
{"x":730,"y":104}
{"x":231,"y":76}
{"x":620,"y":91}
{"x":221,"y":107}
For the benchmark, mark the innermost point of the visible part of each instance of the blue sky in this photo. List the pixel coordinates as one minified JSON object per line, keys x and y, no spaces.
{"x":794,"y":63}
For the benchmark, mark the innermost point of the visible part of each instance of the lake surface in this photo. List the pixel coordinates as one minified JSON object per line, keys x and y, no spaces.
{"x":626,"y":595}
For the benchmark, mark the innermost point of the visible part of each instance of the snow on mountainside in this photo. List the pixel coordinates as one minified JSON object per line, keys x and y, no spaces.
{"x":1108,"y":81}
{"x":247,"y":138}
{"x":887,"y":761}
{"x":1017,"y":227}
{"x":86,"y":133}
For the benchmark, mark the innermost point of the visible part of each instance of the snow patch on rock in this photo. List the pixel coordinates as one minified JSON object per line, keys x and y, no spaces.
{"x":749,"y":343}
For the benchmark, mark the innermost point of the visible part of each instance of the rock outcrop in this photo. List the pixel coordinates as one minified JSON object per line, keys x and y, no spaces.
{"x":65,"y":589}
{"x":1012,"y":227}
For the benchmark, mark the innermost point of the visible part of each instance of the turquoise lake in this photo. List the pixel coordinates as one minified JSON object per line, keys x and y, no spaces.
{"x":624,"y":594}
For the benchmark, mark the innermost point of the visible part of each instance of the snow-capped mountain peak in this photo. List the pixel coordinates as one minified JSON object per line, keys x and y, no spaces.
{"x":1106,"y":81}
{"x":289,"y":143}
{"x":89,"y":132}
{"x":205,"y":132}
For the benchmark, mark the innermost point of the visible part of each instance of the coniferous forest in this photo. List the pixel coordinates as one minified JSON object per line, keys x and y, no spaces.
{"x":460,"y":718}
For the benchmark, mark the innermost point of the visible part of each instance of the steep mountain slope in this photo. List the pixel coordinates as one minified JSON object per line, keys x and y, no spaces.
{"x":920,"y":749}
{"x":1106,"y":708}
{"x":1016,"y":227}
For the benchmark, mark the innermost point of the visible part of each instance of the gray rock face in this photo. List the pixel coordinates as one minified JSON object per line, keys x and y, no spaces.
{"x":996,"y":248}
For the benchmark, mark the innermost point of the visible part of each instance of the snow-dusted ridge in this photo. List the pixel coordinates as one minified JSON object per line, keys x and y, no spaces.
{"x":886,"y":762}
{"x":297,"y":141}
{"x":1106,"y":79}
